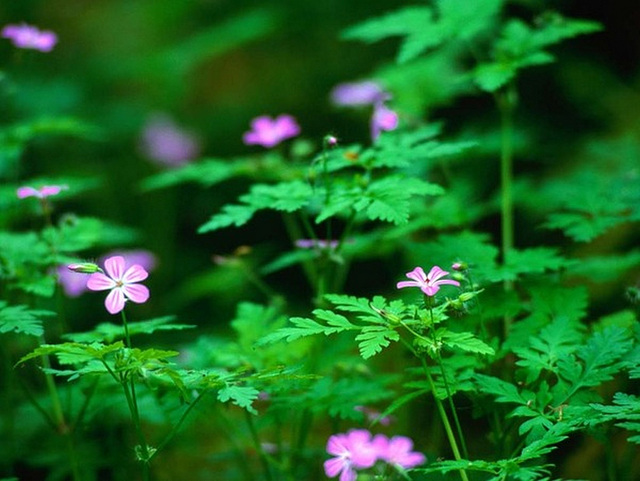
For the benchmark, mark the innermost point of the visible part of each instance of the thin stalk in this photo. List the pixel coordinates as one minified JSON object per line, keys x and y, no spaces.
{"x":441,"y":411}
{"x":177,"y":426}
{"x":506,"y":104}
{"x":445,"y":419}
{"x":130,"y":394}
{"x":452,"y":407}
{"x":256,"y":441}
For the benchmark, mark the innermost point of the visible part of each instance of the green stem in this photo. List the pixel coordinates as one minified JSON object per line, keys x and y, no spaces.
{"x":445,"y":419}
{"x":506,"y":104}
{"x":132,"y":401}
{"x":256,"y":441}
{"x":177,"y":426}
{"x":452,"y":407}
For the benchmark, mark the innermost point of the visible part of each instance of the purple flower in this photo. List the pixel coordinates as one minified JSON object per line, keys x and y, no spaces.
{"x":73,"y":282}
{"x":429,"y":284}
{"x":28,"y":36}
{"x":122,"y":283}
{"x":352,"y":451}
{"x":41,"y":193}
{"x":354,"y":94}
{"x":164,"y":142}
{"x":383,"y":118}
{"x":372,"y":415}
{"x":397,"y":451}
{"x":312,"y":243}
{"x":269,"y":132}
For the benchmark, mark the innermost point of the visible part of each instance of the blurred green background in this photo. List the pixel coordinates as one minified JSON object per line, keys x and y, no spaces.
{"x":213,"y":65}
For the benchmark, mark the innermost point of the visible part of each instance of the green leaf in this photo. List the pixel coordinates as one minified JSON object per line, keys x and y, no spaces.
{"x":109,"y":332}
{"x":285,"y":196}
{"x":594,"y":363}
{"x":206,"y":172}
{"x":373,"y":338}
{"x":22,"y":319}
{"x":465,"y":341}
{"x":304,"y":327}
{"x":242,"y":396}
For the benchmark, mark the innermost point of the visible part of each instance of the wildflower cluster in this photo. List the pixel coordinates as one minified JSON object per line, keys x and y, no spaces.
{"x":358,"y":449}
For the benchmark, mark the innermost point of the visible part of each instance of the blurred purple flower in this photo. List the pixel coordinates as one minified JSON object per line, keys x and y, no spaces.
{"x":383,"y":118}
{"x":41,"y":193}
{"x":28,"y":36}
{"x":352,"y":451}
{"x":269,"y":132}
{"x":429,"y":284}
{"x":397,"y":451}
{"x":354,"y":94}
{"x":311,"y":243}
{"x":122,"y":283}
{"x":164,"y":142}
{"x":372,"y":415}
{"x":73,"y":283}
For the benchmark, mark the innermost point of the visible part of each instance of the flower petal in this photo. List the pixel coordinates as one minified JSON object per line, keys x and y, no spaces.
{"x":115,"y":267}
{"x":448,"y":281}
{"x":115,"y":301}
{"x":334,"y":465}
{"x":402,"y":284}
{"x":417,"y":275}
{"x":135,"y":273}
{"x":136,"y":292}
{"x":430,"y":290}
{"x":25,"y":191}
{"x":99,"y":282}
{"x":436,"y":273}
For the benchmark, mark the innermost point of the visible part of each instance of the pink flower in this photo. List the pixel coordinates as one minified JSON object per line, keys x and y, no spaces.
{"x":270,"y":132}
{"x":73,"y":277}
{"x":41,"y":193}
{"x":354,"y":94}
{"x":28,"y":36}
{"x":383,"y":118}
{"x":397,"y":451}
{"x":121,"y":282}
{"x":429,"y":284}
{"x":352,"y":451}
{"x":164,"y":142}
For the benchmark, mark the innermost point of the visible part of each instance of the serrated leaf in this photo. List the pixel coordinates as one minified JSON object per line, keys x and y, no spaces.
{"x":109,"y":332}
{"x":22,"y":319}
{"x":465,"y":341}
{"x":373,"y":338}
{"x":242,"y":396}
{"x":285,"y":196}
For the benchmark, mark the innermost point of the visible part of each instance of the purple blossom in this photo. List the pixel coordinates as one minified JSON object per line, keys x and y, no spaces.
{"x":41,"y":193}
{"x":429,"y":284}
{"x":312,"y":243}
{"x":352,"y":451}
{"x":372,"y":415}
{"x":383,"y":118}
{"x":28,"y":36}
{"x":397,"y":451}
{"x":122,"y":283}
{"x":164,"y":142}
{"x":269,"y":132}
{"x":73,"y":283}
{"x":355,"y":94}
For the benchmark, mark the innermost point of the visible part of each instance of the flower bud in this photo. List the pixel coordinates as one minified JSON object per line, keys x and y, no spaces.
{"x":84,"y":267}
{"x":459,"y":266}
